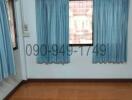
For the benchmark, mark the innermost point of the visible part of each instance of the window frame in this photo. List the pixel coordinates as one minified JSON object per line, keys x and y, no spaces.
{"x":14,"y":22}
{"x":92,"y":32}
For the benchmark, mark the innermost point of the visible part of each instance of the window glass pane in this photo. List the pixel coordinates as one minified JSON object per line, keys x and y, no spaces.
{"x":11,"y":21}
{"x":80,"y":24}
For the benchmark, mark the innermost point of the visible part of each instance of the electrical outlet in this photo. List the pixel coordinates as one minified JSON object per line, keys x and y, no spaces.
{"x":26,"y":31}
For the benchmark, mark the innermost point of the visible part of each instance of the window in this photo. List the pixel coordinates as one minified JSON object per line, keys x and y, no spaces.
{"x":11,"y":17}
{"x":80,"y":25}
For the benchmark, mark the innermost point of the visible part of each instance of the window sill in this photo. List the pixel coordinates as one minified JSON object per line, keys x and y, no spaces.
{"x":80,"y":45}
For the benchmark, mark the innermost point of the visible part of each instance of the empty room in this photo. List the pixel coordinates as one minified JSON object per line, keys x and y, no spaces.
{"x":65,"y":50}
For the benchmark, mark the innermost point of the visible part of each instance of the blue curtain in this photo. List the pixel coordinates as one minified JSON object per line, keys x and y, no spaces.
{"x":52,"y":23}
{"x":110,"y":28}
{"x":7,"y":66}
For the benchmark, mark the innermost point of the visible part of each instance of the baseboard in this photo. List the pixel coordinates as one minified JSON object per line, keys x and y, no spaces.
{"x":79,"y":80}
{"x":66,"y":80}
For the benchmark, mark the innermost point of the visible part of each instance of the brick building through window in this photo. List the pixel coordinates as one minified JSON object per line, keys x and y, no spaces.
{"x":11,"y":18}
{"x":80,"y":22}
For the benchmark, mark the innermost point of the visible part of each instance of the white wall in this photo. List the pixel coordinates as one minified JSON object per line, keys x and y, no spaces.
{"x":19,"y":22}
{"x":80,"y":67}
